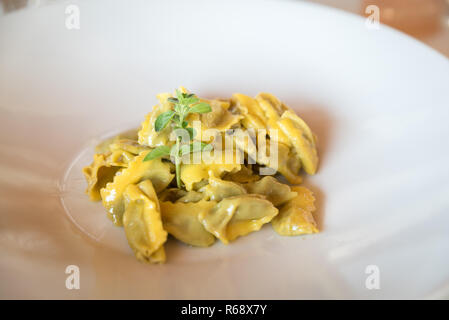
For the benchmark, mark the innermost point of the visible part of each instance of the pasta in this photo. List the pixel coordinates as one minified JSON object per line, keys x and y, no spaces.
{"x":237,"y":216}
{"x":180,"y":219}
{"x":142,"y":222}
{"x":295,"y":217}
{"x":156,"y":171}
{"x":274,"y":191}
{"x":212,"y":185}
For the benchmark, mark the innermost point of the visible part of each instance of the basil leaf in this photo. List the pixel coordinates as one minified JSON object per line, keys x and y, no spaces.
{"x":163,"y":119}
{"x":201,"y":107}
{"x":191,"y":100}
{"x":157,"y":153}
{"x":197,"y":146}
{"x":179,"y":95}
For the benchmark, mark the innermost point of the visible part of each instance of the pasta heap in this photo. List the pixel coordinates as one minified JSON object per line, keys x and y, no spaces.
{"x":216,"y":200}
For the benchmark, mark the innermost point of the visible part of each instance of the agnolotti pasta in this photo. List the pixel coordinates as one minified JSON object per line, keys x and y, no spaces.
{"x":180,"y":219}
{"x":142,"y":222}
{"x":218,"y":197}
{"x":237,"y":216}
{"x":218,"y":189}
{"x":147,"y":135}
{"x":274,"y":191}
{"x":191,"y":174}
{"x":295,"y":217}
{"x":112,"y":194}
{"x":220,"y":118}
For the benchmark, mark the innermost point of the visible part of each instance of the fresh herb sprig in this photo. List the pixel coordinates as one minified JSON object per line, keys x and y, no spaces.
{"x":184,"y":104}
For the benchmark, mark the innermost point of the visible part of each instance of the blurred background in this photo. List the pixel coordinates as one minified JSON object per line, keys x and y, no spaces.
{"x":425,"y":20}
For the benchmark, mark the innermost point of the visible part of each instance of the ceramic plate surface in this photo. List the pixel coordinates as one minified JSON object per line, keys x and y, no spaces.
{"x":377,"y":100}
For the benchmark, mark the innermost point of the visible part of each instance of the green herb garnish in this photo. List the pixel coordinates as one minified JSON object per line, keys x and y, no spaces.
{"x":184,"y":104}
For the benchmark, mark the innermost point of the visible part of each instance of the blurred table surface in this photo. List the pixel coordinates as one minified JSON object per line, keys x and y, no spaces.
{"x":425,"y":20}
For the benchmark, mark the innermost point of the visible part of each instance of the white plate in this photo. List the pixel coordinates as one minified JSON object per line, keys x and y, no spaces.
{"x":377,"y":99}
